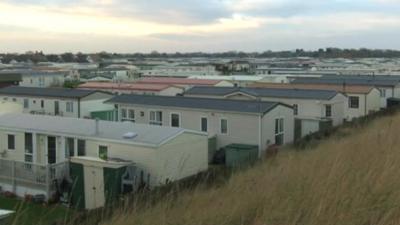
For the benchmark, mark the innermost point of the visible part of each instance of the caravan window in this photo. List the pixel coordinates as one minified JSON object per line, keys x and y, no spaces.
{"x":69,"y":147}
{"x":156,"y":118}
{"x":353,"y":102}
{"x":204,"y":124}
{"x":11,"y":142}
{"x":175,"y":120}
{"x":328,"y":110}
{"x":103,"y":152}
{"x":81,"y":148}
{"x":224,"y":126}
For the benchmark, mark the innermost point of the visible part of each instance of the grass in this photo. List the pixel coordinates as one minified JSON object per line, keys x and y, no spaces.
{"x":350,"y":179}
{"x":29,"y":213}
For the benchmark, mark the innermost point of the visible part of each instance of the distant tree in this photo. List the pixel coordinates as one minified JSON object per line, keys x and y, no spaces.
{"x":81,"y":58}
{"x":154,"y":54}
{"x":72,"y":83}
{"x":53,"y":58}
{"x":68,"y":57}
{"x":104,"y":55}
{"x":7,"y":58}
{"x":37,"y":57}
{"x":21,"y":58}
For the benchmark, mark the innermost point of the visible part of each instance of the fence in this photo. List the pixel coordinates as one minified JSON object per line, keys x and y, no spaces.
{"x":30,"y":175}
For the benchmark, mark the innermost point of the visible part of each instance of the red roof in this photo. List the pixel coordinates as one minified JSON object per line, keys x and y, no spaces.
{"x":124,"y":86}
{"x":178,"y":81}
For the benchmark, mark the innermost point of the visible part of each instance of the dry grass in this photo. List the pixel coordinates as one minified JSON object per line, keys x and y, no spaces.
{"x":345,"y":180}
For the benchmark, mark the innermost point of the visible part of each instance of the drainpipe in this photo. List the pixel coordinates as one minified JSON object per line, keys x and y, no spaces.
{"x":14,"y":183}
{"x":48,"y":182}
{"x":79,"y":108}
{"x":260,"y":136}
{"x":260,"y":129}
{"x":96,"y":131}
{"x":392,"y":91}
{"x":365,"y":104}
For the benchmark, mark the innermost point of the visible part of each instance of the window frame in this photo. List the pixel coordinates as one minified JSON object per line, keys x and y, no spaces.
{"x":220,"y":126}
{"x":26,"y":103}
{"x":201,"y":124}
{"x":78,"y":150}
{"x":131,"y":115}
{"x":382,"y":92}
{"x":100,"y":153}
{"x":124,"y":113}
{"x":351,"y":106}
{"x":8,"y":142}
{"x":155,"y":121}
{"x":330,"y":110}
{"x":179,"y":119}
{"x":295,"y":109}
{"x":67,"y":150}
{"x":69,"y":106}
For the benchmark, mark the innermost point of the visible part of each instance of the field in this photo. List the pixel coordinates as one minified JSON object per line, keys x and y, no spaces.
{"x":352,"y":178}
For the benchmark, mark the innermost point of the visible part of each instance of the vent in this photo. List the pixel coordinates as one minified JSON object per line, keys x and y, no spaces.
{"x":130,"y":135}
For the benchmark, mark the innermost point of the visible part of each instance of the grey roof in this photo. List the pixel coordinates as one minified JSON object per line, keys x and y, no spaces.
{"x":363,"y":77}
{"x":197,"y":103}
{"x":74,"y":127}
{"x":353,"y":80}
{"x":44,"y":73}
{"x":94,"y":75}
{"x":265,"y":92}
{"x":46,"y":92}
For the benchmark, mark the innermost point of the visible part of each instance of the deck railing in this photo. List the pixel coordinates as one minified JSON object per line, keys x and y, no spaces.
{"x":31,"y":175}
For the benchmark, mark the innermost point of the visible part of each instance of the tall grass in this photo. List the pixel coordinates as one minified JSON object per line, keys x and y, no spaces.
{"x":351,"y":178}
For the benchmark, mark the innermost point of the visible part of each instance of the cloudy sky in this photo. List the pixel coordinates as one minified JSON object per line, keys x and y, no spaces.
{"x":196,"y":25}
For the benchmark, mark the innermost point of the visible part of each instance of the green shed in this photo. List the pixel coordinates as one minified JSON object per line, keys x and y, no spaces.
{"x":237,"y":155}
{"x":107,"y":115}
{"x":98,"y":182}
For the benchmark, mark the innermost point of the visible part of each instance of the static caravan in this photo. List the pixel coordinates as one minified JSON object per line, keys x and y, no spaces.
{"x":225,"y":121}
{"x":184,"y":82}
{"x":43,"y":79}
{"x":57,"y":101}
{"x":133,"y":88}
{"x":314,"y":110}
{"x":362,"y":99}
{"x":36,"y":151}
{"x":388,"y":86}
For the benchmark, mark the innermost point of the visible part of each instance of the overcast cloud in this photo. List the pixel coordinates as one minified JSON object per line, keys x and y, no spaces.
{"x":196,"y":25}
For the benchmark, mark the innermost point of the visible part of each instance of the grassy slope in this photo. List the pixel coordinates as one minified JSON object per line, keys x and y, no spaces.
{"x":29,"y":213}
{"x":352,"y":178}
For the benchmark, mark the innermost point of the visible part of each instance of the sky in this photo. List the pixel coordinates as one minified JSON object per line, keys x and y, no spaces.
{"x":127,"y":26}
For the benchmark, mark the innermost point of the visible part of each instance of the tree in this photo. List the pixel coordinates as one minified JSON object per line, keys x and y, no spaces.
{"x":53,"y":58}
{"x":81,"y":58}
{"x":68,"y":57}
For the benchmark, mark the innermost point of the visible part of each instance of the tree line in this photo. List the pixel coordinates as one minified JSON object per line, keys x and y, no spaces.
{"x":68,"y":57}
